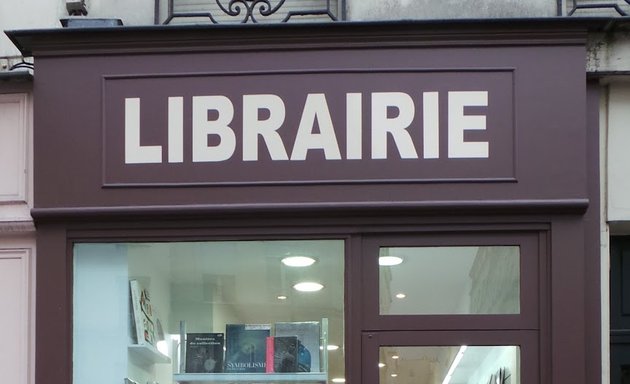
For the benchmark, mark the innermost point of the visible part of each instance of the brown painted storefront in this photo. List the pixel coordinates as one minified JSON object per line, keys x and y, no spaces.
{"x":396,"y":134}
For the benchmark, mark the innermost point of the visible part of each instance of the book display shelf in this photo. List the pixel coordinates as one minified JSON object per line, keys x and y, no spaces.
{"x":147,"y":354}
{"x":276,"y":378}
{"x":197,"y":317}
{"x":318,"y":376}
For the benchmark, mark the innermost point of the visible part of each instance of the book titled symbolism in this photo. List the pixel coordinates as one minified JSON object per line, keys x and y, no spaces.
{"x":246,"y":347}
{"x":204,"y":352}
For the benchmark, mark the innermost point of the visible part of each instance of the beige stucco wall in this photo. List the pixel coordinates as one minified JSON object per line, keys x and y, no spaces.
{"x":447,"y":9}
{"x":35,"y":14}
{"x":618,"y":159}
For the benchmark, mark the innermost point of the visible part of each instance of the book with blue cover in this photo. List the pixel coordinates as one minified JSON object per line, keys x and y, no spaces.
{"x":245,"y":345}
{"x":308,"y":335}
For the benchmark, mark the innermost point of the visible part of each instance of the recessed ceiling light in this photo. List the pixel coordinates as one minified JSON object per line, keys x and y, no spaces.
{"x":395,"y":357}
{"x":298,"y":261}
{"x":381,"y":365}
{"x":308,"y":286}
{"x":400,"y":295}
{"x":388,"y":261}
{"x":282,"y":297}
{"x":394,"y":375}
{"x":338,"y":380}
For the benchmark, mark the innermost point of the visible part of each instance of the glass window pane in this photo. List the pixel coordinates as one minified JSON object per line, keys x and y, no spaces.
{"x":211,"y":293}
{"x":450,"y":365}
{"x":449,"y":280}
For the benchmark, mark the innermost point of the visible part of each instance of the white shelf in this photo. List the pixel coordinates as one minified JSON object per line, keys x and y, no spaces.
{"x":276,"y":378}
{"x":147,"y":354}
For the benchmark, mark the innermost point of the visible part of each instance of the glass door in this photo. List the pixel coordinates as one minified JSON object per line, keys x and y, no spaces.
{"x":452,"y":308}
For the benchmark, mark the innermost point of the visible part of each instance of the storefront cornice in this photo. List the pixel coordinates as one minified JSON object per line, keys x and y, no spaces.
{"x":210,"y":38}
{"x":377,"y":208}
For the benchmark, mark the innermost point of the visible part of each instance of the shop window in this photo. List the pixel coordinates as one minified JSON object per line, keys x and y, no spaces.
{"x":449,"y":280}
{"x":173,"y":312}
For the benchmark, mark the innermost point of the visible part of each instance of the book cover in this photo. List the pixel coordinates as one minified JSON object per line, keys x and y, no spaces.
{"x":285,"y":354}
{"x":308,"y":335}
{"x":246,"y":347}
{"x":204,"y":352}
{"x":142,"y":314}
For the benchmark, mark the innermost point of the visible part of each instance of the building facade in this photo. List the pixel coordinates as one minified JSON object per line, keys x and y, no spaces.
{"x":192,"y":158}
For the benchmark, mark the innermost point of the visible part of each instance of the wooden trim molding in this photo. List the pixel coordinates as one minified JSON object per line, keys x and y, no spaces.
{"x":214,"y":38}
{"x":20,"y":364}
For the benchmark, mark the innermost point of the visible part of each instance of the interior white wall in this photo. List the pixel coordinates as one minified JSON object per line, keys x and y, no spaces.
{"x":498,"y":358}
{"x":101,"y":314}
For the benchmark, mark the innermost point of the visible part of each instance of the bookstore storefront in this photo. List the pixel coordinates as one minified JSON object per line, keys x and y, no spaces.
{"x":367,"y":203}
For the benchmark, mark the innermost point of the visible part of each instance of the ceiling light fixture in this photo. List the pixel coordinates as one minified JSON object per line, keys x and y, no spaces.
{"x":400,"y":295}
{"x":282,"y":297}
{"x":298,"y":261}
{"x":338,"y":380}
{"x":330,"y":347}
{"x":308,"y":286}
{"x":381,"y":365}
{"x":388,"y":261}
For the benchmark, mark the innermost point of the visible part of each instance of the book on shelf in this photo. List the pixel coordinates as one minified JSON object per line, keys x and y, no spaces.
{"x":204,"y":352}
{"x":308,"y":335}
{"x":245,"y":347}
{"x":282,"y":354}
{"x":144,"y":322}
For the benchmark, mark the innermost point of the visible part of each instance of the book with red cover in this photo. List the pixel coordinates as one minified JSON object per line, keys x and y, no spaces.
{"x":282,"y":354}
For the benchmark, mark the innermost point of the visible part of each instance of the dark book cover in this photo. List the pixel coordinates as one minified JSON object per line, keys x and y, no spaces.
{"x":246,"y":347}
{"x":204,"y":352}
{"x":285,"y":354}
{"x":308,"y":335}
